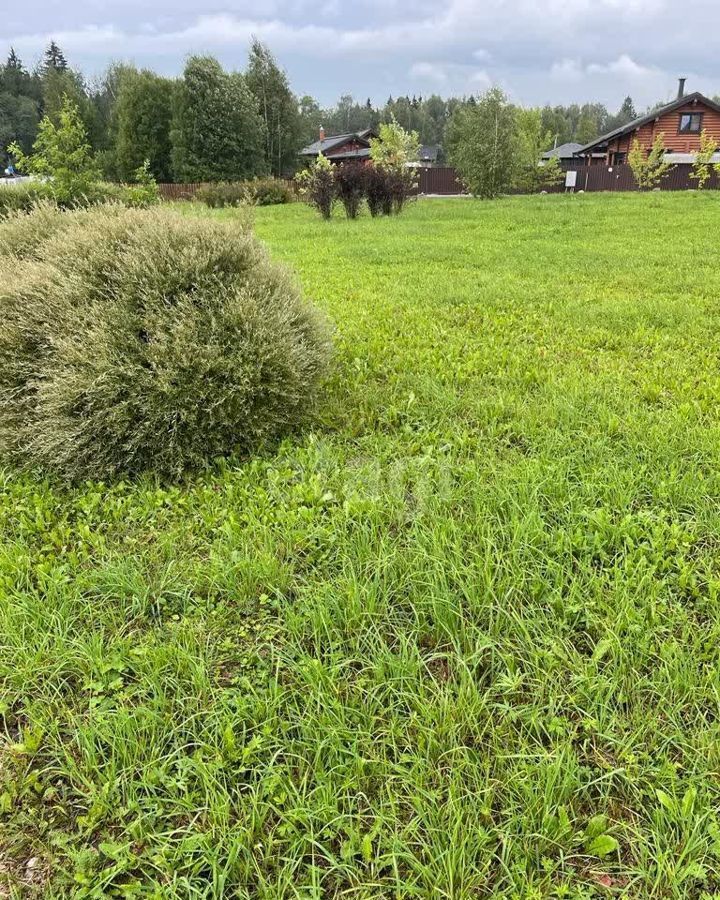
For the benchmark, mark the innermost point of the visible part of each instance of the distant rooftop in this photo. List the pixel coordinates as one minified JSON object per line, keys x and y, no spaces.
{"x":429,"y":152}
{"x":336,"y":140}
{"x":564,"y":151}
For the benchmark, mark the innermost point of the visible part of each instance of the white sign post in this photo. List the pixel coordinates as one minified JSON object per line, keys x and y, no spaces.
{"x":570,"y":181}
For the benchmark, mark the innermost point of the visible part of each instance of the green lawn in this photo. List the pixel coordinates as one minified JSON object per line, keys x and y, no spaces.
{"x":461,"y":640}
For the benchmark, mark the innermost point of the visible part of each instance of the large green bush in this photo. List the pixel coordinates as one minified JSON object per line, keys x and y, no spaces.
{"x":147,"y":340}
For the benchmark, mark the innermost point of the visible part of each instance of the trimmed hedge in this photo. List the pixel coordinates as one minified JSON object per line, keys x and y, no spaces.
{"x":259,"y":191}
{"x":140,"y":340}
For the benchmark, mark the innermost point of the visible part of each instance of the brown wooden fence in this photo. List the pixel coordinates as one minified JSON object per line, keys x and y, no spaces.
{"x":444,"y":180}
{"x":620,"y":178}
{"x":441,"y":180}
{"x":179,"y":191}
{"x":431,"y":181}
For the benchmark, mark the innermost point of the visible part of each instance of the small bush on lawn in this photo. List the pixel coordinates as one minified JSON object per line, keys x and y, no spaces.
{"x":270,"y":191}
{"x":260,"y":191}
{"x":402,"y":184}
{"x":143,"y":191}
{"x":379,"y":191}
{"x":222,"y":194}
{"x":391,"y":152}
{"x":147,"y":340}
{"x":317,"y":184}
{"x":350,"y":187}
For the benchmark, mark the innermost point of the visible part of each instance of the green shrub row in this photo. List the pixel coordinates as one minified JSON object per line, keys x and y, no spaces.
{"x":258,"y":191}
{"x":138,"y":340}
{"x":24,"y":196}
{"x":386,"y":190}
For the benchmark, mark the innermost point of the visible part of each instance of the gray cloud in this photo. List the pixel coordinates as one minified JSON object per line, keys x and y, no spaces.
{"x":538,"y":50}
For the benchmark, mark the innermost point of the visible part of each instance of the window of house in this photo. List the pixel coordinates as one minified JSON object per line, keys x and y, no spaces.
{"x":690,"y":123}
{"x":619,"y":158}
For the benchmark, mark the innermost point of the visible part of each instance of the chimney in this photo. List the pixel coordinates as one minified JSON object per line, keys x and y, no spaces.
{"x":681,"y":88}
{"x":322,"y":134}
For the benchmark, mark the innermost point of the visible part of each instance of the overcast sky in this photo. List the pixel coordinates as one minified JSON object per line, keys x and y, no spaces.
{"x":540,"y":51}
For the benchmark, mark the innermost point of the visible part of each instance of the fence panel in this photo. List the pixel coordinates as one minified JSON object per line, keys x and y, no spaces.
{"x":179,"y":191}
{"x":440,"y":180}
{"x":620,"y":178}
{"x":445,"y":180}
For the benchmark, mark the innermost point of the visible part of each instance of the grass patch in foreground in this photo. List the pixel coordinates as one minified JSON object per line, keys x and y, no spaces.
{"x":460,"y":642}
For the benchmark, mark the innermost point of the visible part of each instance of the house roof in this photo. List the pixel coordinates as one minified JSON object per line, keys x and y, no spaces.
{"x":362,"y":153}
{"x":564,"y":151}
{"x":337,"y":140}
{"x":429,"y":152}
{"x":679,"y":102}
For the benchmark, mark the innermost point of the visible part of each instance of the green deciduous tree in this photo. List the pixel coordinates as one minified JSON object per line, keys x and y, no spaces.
{"x":649,"y":168}
{"x":62,"y":154}
{"x":532,"y":141}
{"x":587,"y":129}
{"x":19,"y":119}
{"x":217,"y":134}
{"x":57,"y":82}
{"x":104,"y":99}
{"x":482,"y":139}
{"x":143,"y":121}
{"x":391,"y":152}
{"x":311,"y":118}
{"x":317,"y":183}
{"x":411,"y":114}
{"x":702,"y":169}
{"x":556,"y":122}
{"x":394,"y":147}
{"x":278,"y":108}
{"x":19,"y":106}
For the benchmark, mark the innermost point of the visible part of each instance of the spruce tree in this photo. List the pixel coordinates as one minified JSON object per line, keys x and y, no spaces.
{"x":54,"y":58}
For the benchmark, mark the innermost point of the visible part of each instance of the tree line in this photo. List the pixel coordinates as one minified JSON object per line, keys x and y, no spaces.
{"x":206,"y":125}
{"x":429,"y":117}
{"x":213,"y":125}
